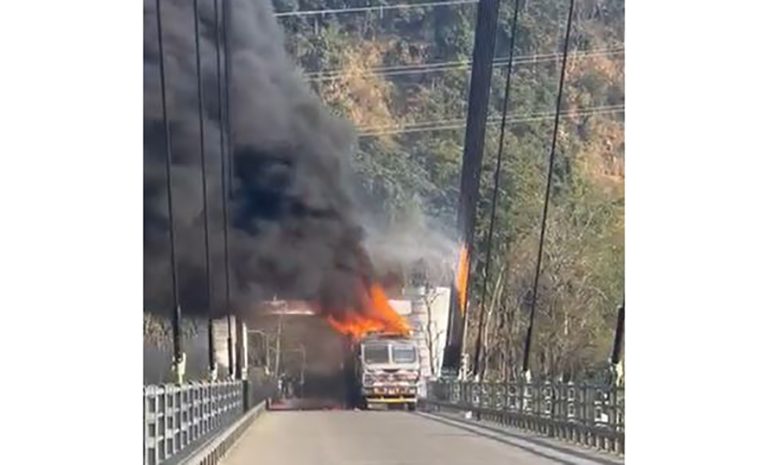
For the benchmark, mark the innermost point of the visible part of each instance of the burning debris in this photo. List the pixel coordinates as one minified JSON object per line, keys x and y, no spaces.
{"x":294,"y":231}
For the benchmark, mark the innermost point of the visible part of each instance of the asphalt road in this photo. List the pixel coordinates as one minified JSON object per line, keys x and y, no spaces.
{"x":388,"y":438}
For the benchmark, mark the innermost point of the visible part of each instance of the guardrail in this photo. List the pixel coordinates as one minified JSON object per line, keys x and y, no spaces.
{"x":214,"y":450}
{"x":182,"y":422}
{"x":588,"y":415}
{"x":178,"y":417}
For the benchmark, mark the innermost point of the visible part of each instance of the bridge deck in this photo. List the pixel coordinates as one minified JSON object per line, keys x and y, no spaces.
{"x":387,"y":438}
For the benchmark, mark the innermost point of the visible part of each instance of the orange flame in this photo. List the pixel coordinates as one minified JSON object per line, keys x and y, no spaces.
{"x":377,"y":316}
{"x":462,"y":278}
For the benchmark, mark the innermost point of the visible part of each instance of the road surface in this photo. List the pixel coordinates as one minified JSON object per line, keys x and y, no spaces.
{"x":390,"y":438}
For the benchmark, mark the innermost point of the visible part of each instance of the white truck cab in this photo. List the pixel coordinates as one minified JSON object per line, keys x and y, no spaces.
{"x":389,"y":370}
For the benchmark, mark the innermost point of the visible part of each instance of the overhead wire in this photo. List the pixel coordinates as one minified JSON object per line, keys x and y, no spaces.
{"x":436,"y":67}
{"x":458,"y":123}
{"x":363,"y":9}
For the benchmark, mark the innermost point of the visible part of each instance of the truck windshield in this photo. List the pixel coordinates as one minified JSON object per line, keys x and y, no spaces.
{"x":376,"y":353}
{"x":403,"y":354}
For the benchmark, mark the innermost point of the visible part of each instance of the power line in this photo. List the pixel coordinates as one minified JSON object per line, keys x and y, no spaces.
{"x":176,"y":315}
{"x":527,"y":117}
{"x":204,"y":181}
{"x":529,"y":334}
{"x":447,"y":66}
{"x":496,"y":179}
{"x":362,"y":9}
{"x":397,"y":70}
{"x":458,"y":123}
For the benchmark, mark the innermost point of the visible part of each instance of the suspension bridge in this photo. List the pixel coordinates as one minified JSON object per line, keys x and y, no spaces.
{"x":462,"y":417}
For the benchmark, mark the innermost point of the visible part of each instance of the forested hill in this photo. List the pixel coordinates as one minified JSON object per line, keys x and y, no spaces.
{"x":402,"y":76}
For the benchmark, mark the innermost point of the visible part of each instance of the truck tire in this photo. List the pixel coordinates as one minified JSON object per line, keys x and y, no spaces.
{"x":411,"y":407}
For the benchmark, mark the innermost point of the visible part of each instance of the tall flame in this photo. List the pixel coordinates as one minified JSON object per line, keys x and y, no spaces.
{"x":376,"y":316}
{"x":462,"y":278}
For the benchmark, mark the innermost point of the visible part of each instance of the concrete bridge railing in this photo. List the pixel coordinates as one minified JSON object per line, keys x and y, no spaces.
{"x":583,"y":414}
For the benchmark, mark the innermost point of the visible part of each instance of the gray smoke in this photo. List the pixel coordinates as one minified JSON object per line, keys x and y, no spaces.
{"x":294,"y":233}
{"x":413,"y":243}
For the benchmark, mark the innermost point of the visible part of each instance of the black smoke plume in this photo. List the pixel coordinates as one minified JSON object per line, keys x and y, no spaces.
{"x":293,"y":229}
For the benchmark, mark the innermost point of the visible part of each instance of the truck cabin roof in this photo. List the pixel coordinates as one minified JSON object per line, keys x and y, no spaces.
{"x":386,"y":337}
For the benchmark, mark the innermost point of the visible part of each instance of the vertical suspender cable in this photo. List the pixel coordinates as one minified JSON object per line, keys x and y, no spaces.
{"x":226,"y":15}
{"x":618,"y":338}
{"x":529,"y":334}
{"x":224,"y":196}
{"x":496,"y":178}
{"x":176,"y":318}
{"x":618,"y":342}
{"x":204,"y":180}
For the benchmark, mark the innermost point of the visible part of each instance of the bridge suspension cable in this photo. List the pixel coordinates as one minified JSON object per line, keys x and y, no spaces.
{"x":529,"y":333}
{"x":217,"y":7}
{"x":225,"y":21}
{"x":494,"y":197}
{"x":204,"y":181}
{"x":176,"y":314}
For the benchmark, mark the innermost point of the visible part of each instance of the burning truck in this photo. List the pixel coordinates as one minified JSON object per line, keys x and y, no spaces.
{"x":385,"y":366}
{"x":387,"y":369}
{"x":379,"y":364}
